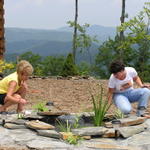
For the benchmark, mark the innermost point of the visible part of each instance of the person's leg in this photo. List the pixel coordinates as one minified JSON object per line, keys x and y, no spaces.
{"x":122,"y":103}
{"x":8,"y":102}
{"x":141,"y":95}
{"x":2,"y":97}
{"x":20,"y":107}
{"x":22,"y":92}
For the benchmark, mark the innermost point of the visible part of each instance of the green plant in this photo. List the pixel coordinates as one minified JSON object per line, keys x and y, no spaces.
{"x":20,"y":116}
{"x":100,"y":106}
{"x":73,"y":139}
{"x":64,"y":127}
{"x":40,"y":107}
{"x":76,"y":123}
{"x":69,"y":68}
{"x":118,"y":114}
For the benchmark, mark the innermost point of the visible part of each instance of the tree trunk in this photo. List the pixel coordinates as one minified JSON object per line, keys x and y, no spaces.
{"x":2,"y":39}
{"x":75,"y":31}
{"x":122,"y":18}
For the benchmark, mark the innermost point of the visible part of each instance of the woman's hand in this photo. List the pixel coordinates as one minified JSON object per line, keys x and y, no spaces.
{"x":22,"y":101}
{"x":126,"y":86}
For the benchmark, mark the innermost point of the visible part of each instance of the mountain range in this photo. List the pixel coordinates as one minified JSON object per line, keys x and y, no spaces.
{"x":51,"y":42}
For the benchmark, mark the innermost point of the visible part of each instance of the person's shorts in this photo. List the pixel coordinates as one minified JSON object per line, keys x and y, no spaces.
{"x":2,"y":97}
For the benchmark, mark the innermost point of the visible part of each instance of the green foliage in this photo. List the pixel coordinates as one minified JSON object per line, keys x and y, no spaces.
{"x":100,"y":106}
{"x":83,"y":41}
{"x":134,"y":49}
{"x":20,"y":115}
{"x":118,"y":114}
{"x":53,"y":65}
{"x":35,"y":60}
{"x":69,"y":68}
{"x":6,"y":67}
{"x":40,"y":107}
{"x":73,"y":139}
{"x":63,"y":127}
{"x":84,"y":69}
{"x":66,"y":127}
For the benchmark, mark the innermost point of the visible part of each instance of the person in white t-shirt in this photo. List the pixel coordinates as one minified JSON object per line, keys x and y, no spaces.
{"x":121,"y":89}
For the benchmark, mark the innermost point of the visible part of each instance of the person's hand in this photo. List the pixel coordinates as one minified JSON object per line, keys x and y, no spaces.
{"x":145,"y":86}
{"x":22,"y":101}
{"x":126,"y":86}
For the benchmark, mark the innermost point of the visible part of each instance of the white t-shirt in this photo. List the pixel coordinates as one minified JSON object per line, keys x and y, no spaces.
{"x":117,"y":84}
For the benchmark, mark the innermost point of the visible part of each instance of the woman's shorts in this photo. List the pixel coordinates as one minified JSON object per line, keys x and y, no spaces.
{"x":2,"y":97}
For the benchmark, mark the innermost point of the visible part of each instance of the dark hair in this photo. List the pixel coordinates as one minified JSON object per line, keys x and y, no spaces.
{"x":116,"y":66}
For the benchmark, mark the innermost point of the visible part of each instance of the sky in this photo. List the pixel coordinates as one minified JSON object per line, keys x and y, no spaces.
{"x":53,"y":14}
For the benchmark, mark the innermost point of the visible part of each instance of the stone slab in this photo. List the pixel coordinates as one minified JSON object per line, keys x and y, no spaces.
{"x":39,"y":125}
{"x":89,"y":131}
{"x":131,"y":130}
{"x":49,"y":133}
{"x":128,"y":122}
{"x":49,"y":113}
{"x":14,"y":126}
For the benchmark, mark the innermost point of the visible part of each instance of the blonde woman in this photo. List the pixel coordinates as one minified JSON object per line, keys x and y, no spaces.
{"x":13,"y":87}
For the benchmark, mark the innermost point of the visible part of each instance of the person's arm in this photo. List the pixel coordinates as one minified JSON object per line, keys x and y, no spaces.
{"x":23,"y":89}
{"x":139,"y":82}
{"x":110,"y":94}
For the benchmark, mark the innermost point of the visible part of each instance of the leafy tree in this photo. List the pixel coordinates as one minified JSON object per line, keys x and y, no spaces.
{"x":53,"y":65}
{"x":136,"y":46}
{"x":84,"y":68}
{"x":69,"y":68}
{"x":109,"y":51}
{"x":35,"y":60}
{"x":139,"y":39}
{"x":83,"y":40}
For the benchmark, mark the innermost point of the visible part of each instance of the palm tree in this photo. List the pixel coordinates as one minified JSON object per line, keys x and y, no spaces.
{"x":2,"y":39}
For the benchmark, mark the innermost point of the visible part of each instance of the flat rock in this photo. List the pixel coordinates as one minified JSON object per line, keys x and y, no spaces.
{"x":108,"y":147}
{"x":48,"y":145}
{"x":33,"y":116}
{"x":131,"y":130}
{"x":49,"y":133}
{"x":90,"y":131}
{"x":16,"y":121}
{"x":39,"y":125}
{"x":110,"y":133}
{"x":14,"y":126}
{"x":49,"y":113}
{"x":128,"y":122}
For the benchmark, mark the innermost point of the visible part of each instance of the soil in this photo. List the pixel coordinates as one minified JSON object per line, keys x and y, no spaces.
{"x":70,"y":95}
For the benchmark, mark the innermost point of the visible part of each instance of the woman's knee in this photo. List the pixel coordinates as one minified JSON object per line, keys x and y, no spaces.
{"x":17,"y":96}
{"x":126,"y":110}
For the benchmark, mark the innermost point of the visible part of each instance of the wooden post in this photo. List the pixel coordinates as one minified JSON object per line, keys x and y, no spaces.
{"x":2,"y":39}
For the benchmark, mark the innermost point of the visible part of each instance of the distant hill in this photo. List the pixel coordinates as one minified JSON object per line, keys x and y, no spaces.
{"x":102,"y":33}
{"x":51,"y":42}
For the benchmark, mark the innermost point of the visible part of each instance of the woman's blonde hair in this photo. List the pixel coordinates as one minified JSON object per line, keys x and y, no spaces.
{"x":24,"y":66}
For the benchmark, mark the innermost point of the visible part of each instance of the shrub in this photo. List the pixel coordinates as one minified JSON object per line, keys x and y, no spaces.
{"x":5,"y":67}
{"x":40,"y":107}
{"x":100,"y":106}
{"x":69,"y":68}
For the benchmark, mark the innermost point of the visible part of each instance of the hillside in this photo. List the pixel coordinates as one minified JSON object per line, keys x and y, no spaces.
{"x":51,"y":42}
